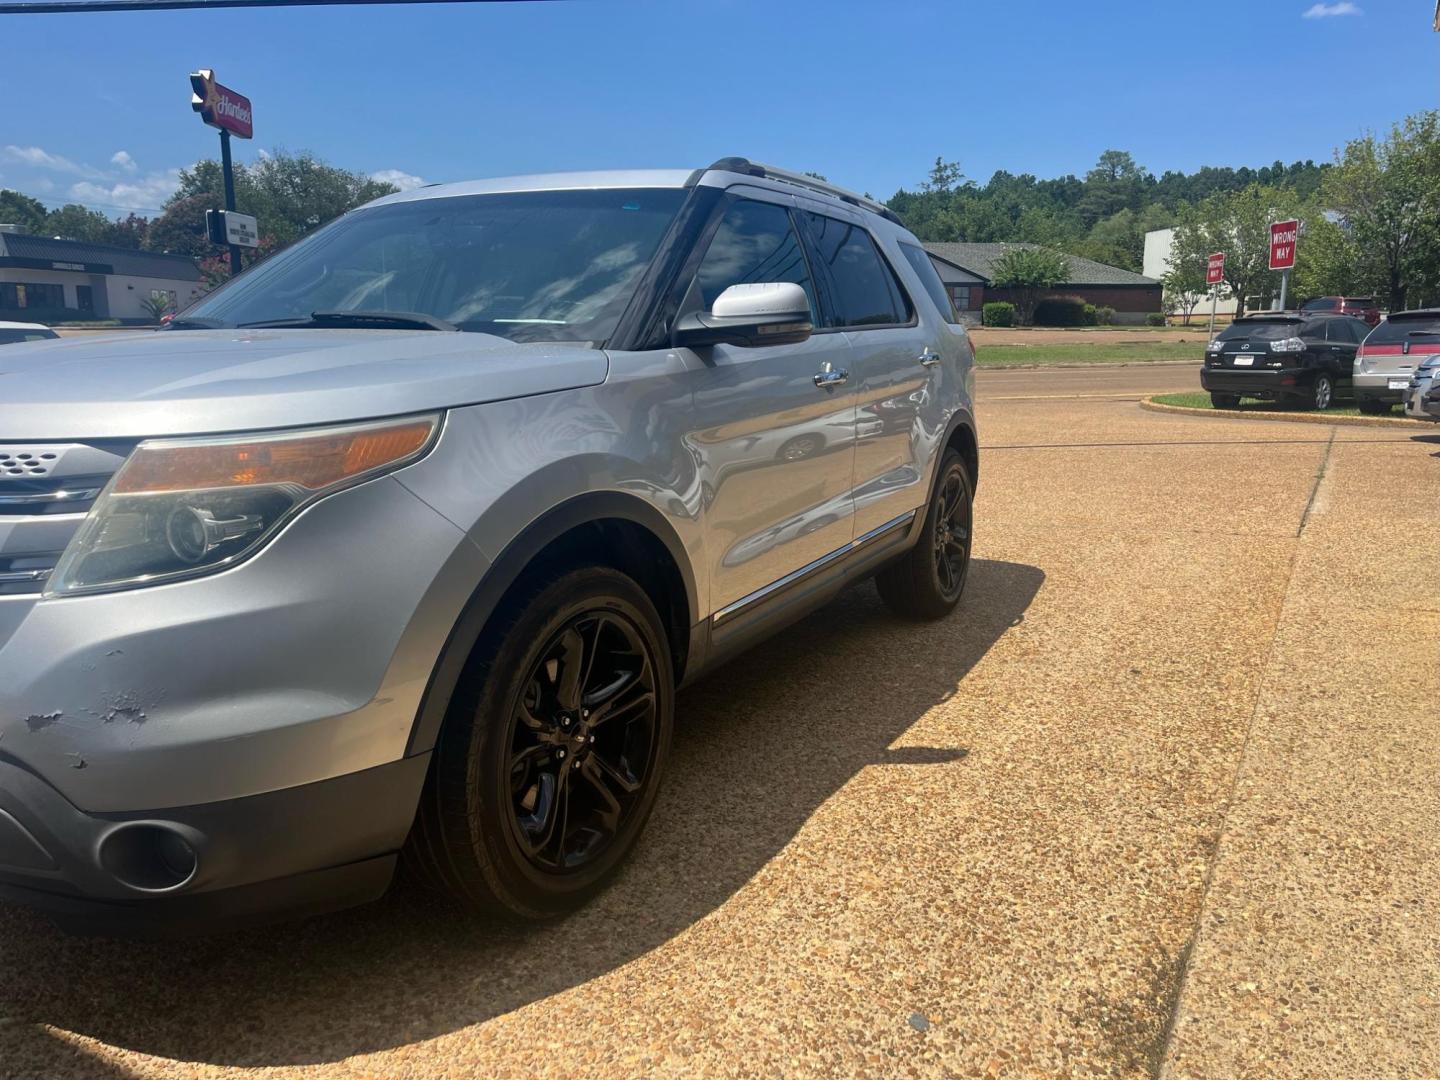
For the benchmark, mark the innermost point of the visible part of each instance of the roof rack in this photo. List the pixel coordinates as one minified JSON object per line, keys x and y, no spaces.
{"x":771,"y":172}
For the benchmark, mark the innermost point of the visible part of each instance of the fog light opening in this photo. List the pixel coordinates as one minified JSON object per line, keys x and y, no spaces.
{"x":149,"y":858}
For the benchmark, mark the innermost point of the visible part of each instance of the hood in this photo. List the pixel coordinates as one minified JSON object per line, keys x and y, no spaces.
{"x":184,"y":382}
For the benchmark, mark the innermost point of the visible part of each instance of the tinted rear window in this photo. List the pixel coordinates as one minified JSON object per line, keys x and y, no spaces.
{"x":866,"y":292}
{"x":1319,"y":305}
{"x":1260,"y":331}
{"x":1397,"y":331}
{"x":925,"y":269}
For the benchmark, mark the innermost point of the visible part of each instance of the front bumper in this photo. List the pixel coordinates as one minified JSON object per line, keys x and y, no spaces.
{"x":304,"y":850}
{"x":1422,"y":403}
{"x":257,"y":722}
{"x":1266,"y":383}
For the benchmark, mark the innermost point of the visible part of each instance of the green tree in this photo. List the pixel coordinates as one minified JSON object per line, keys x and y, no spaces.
{"x":1184,"y":285}
{"x":1238,"y":224}
{"x":289,"y":194}
{"x":156,"y":305}
{"x":75,"y":222}
{"x":1028,"y":272}
{"x":22,"y":210}
{"x":1387,"y":192}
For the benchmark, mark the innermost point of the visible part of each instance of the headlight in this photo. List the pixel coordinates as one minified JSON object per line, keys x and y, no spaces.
{"x":179,"y":508}
{"x":1288,"y":345}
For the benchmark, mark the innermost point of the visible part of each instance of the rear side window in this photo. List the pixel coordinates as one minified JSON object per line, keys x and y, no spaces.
{"x":11,"y":337}
{"x":865,"y":292}
{"x":1398,"y":331}
{"x":934,"y":287}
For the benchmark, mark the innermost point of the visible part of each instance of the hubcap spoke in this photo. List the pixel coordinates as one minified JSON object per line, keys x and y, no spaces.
{"x":582,"y":740}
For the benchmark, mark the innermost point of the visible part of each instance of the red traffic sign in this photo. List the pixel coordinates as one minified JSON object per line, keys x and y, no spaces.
{"x":219,"y":106}
{"x":1215,"y":268}
{"x":1283,"y":235}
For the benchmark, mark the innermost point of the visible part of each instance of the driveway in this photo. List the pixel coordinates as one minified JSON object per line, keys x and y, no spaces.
{"x":1159,"y":799}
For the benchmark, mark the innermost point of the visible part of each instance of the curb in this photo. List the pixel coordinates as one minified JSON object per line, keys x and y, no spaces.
{"x":1288,"y":418}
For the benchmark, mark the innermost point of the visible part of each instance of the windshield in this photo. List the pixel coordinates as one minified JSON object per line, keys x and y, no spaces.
{"x":531,"y":266}
{"x":1260,"y":331}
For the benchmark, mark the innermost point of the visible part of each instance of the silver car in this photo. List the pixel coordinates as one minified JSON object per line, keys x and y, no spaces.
{"x":403,"y":541}
{"x":1422,"y":398}
{"x":1390,"y":355}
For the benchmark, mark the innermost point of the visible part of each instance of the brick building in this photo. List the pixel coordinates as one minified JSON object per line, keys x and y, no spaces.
{"x":965,"y":269}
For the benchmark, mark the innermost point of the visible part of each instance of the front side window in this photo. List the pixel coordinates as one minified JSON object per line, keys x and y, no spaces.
{"x":930,"y":278}
{"x":530,"y":266}
{"x":754,"y":244}
{"x":866,"y":292}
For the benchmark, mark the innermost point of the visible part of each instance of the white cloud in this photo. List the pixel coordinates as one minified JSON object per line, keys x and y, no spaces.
{"x":402,"y":180}
{"x":37,"y":158}
{"x":122,"y":160}
{"x":1329,"y":11}
{"x":143,"y":195}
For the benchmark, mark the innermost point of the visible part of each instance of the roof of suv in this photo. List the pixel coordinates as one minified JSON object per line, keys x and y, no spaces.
{"x":750,"y":171}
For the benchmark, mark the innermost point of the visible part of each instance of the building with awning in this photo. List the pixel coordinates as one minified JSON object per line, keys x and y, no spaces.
{"x":43,"y":279}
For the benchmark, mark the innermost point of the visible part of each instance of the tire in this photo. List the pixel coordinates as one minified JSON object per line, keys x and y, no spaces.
{"x":1224,"y":401}
{"x":1321,"y":394}
{"x":1372,"y":406}
{"x":525,"y":750}
{"x":927,"y":581}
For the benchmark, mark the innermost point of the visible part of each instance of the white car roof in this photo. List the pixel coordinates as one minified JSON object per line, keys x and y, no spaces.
{"x":23,"y":326}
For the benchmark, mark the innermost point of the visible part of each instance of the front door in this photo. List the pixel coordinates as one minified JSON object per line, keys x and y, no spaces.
{"x":774,"y":449}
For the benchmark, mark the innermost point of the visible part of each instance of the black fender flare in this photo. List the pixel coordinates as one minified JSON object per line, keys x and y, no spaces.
{"x":507,"y":569}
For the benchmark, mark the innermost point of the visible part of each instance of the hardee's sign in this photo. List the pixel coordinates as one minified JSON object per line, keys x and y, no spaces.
{"x":219,"y":106}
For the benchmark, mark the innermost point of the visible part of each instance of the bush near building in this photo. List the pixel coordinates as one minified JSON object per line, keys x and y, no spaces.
{"x":998,"y":313}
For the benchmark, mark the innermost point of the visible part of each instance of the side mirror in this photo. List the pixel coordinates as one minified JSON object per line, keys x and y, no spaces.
{"x":772,"y":313}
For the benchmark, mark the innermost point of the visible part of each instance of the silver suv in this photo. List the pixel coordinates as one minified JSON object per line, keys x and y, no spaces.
{"x":400,"y":544}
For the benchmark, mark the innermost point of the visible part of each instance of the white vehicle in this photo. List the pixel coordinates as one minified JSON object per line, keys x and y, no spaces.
{"x":13,"y":332}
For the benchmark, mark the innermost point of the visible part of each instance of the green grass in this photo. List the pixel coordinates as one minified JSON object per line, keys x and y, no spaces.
{"x":1202,"y":401}
{"x":1140,"y":352}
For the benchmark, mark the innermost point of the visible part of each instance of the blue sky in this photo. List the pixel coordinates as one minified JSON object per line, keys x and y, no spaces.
{"x":96,"y":106}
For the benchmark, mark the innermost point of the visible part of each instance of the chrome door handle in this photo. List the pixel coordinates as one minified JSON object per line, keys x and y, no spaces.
{"x":929,"y":358}
{"x":829,"y":376}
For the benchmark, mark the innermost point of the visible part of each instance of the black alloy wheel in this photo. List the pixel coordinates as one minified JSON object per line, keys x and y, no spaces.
{"x":582,"y":741}
{"x":951,"y":535}
{"x":552,"y":753}
{"x":928,"y":580}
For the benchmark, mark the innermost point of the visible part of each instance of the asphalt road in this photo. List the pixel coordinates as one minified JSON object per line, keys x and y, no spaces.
{"x":1159,"y":799}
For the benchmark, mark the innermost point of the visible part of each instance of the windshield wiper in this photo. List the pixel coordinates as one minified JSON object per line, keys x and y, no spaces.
{"x":195,"y":324}
{"x":405,"y":320}
{"x":1423,"y":333}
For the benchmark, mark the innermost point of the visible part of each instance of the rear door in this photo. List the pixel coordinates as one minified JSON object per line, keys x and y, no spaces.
{"x":868,"y":305}
{"x":1343,"y":341}
{"x":775,"y":448}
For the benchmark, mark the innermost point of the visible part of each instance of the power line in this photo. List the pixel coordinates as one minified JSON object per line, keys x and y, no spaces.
{"x":48,"y":199}
{"x":51,"y":7}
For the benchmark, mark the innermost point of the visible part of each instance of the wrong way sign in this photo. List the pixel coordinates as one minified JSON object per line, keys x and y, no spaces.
{"x":1283,"y":235}
{"x":1215,"y":268}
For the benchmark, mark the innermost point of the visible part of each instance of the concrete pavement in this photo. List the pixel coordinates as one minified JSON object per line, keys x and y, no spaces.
{"x":1160,"y":798}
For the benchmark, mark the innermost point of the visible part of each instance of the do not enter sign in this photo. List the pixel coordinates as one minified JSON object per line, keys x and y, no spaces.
{"x":1282,"y":244}
{"x":1215,"y":268}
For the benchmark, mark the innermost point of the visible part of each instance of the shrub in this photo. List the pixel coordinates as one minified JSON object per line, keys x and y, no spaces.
{"x":1090,"y":315}
{"x":1105,"y":316}
{"x":997,"y":313}
{"x":1155,"y":318}
{"x":1060,"y":311}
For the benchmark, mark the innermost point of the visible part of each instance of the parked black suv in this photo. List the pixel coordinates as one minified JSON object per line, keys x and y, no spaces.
{"x":1279,"y":355}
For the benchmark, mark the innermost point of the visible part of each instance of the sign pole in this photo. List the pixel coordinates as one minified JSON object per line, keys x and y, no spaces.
{"x":225,"y":167}
{"x":1284,"y":285}
{"x":1214,"y":299}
